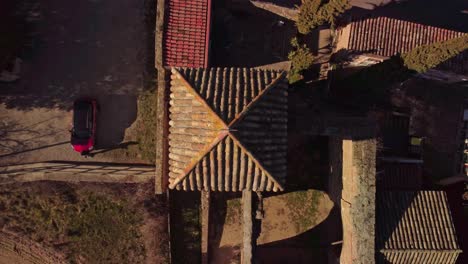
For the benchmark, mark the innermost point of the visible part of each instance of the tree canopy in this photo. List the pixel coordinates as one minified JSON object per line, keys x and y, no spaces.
{"x":313,"y":13}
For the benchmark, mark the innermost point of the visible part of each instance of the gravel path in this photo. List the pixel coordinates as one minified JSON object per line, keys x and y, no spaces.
{"x":96,"y":48}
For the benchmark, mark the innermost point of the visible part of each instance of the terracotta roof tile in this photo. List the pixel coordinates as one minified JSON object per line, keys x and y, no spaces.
{"x":387,"y":36}
{"x":228,"y":129}
{"x":186,"y":33}
{"x":415,"y":227}
{"x":399,"y":176}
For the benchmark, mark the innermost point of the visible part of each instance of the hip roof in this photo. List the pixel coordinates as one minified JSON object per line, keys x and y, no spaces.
{"x":228,"y":129}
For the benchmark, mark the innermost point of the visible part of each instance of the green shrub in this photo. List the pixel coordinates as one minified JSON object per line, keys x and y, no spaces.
{"x":372,"y":84}
{"x":301,"y":59}
{"x":313,"y":13}
{"x":425,"y":57}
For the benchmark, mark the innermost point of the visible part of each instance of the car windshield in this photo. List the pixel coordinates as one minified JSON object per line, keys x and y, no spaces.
{"x":82,"y":120}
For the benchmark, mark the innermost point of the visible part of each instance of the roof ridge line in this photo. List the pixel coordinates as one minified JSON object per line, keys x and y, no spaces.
{"x":257,"y":163}
{"x":198,"y":96}
{"x":255,"y":100}
{"x":206,"y":150}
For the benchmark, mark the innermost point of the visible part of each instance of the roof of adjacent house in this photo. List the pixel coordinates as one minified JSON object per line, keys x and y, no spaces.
{"x":228,"y":129}
{"x":457,"y":64}
{"x":388,"y":36}
{"x":186,"y":33}
{"x":418,"y":224}
{"x":400,"y":176}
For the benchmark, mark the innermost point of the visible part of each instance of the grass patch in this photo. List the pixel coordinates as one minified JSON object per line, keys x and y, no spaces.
{"x":146,"y":126}
{"x":303,"y":206}
{"x":89,"y":227}
{"x":185,"y":228}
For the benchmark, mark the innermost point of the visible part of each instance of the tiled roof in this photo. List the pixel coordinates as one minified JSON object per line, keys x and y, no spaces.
{"x":457,"y":64}
{"x":394,"y":130}
{"x":228,"y":129}
{"x":399,"y":176}
{"x":186,"y":33}
{"x":415,"y":227}
{"x":387,"y":36}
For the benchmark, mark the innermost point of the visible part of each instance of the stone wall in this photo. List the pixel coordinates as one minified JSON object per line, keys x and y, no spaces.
{"x":358,"y":201}
{"x":77,"y":172}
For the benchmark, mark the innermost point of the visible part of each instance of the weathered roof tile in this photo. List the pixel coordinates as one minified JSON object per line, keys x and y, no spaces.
{"x":235,"y":138}
{"x":413,"y":227}
{"x":388,"y":36}
{"x":186,"y":33}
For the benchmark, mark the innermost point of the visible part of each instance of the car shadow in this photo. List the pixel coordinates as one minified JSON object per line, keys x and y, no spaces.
{"x":115,"y":114}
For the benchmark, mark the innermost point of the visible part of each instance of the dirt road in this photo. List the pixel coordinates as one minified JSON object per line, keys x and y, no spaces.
{"x":95,"y":48}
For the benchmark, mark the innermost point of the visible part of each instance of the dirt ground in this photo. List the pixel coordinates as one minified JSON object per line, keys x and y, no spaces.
{"x":153,"y":228}
{"x":95,"y":48}
{"x":225,"y":228}
{"x":16,"y":249}
{"x":286,"y":217}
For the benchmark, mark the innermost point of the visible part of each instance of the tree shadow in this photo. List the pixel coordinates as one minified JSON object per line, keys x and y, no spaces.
{"x":185,"y":227}
{"x":89,"y":54}
{"x":390,"y":208}
{"x":312,"y":246}
{"x":16,"y":138}
{"x":246,"y":36}
{"x":218,"y":214}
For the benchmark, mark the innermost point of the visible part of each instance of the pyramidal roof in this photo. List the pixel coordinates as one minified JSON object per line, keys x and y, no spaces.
{"x":228,"y":129}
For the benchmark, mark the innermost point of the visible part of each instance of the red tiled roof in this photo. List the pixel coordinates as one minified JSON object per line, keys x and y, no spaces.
{"x":186,"y":33}
{"x":387,"y":36}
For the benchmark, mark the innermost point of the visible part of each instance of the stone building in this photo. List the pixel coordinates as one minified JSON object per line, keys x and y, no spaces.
{"x":228,"y":129}
{"x":415,"y":227}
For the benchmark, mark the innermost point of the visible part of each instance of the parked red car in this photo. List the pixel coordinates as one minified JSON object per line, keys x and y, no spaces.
{"x":83,"y":132}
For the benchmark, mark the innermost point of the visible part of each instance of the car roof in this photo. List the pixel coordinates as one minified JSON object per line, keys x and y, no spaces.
{"x":81,"y":113}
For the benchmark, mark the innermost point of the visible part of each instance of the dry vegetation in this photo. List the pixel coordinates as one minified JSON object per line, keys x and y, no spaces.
{"x":146,"y":127}
{"x":88,"y":224}
{"x":303,"y":206}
